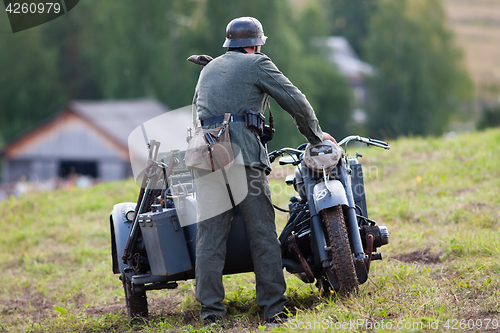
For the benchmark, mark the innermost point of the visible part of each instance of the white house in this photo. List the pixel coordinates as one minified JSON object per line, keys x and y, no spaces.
{"x":339,"y":52}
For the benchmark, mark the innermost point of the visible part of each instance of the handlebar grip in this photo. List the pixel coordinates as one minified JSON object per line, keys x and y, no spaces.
{"x":272,"y":155}
{"x":379,"y":142}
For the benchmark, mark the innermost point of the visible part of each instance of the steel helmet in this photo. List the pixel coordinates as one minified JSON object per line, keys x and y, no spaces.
{"x":243,"y":32}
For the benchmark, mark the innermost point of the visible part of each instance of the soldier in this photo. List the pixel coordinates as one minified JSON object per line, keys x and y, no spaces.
{"x":243,"y":79}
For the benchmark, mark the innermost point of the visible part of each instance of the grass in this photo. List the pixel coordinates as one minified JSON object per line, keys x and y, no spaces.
{"x":439,"y":198}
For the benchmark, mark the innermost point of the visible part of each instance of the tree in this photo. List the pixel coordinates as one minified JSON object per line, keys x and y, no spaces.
{"x":131,"y":49}
{"x":30,"y":87}
{"x":420,"y":80}
{"x":349,"y":18}
{"x":327,"y":91}
{"x":138,"y":50}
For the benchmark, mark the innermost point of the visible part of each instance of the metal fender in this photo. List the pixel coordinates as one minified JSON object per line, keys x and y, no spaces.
{"x":329,"y":196}
{"x":120,"y":229}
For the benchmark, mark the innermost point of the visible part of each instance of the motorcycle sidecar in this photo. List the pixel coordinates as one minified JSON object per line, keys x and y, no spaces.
{"x":166,"y":246}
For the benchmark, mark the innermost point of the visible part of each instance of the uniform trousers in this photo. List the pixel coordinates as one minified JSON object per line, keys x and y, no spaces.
{"x":212,"y":234}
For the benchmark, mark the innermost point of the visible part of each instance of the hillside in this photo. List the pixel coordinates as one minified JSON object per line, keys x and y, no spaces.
{"x":477,"y":27}
{"x":476,"y":24}
{"x":439,"y":198}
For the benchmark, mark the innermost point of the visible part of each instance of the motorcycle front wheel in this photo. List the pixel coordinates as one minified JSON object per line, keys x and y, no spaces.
{"x":338,"y":241}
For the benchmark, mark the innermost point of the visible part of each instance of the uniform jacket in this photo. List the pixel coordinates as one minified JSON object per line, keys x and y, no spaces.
{"x":238,"y":81}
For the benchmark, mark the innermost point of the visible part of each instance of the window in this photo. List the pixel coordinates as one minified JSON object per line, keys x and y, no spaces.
{"x":86,"y":168}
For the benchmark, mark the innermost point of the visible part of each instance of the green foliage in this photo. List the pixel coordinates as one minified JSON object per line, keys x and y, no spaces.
{"x":30,"y":88}
{"x":420,"y":80}
{"x":350,"y":18}
{"x":327,"y":90}
{"x":127,"y":49}
{"x":138,"y":50}
{"x":490,"y":118}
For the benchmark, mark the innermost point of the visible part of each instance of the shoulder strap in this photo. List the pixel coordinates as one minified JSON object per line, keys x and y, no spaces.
{"x":271,"y":119}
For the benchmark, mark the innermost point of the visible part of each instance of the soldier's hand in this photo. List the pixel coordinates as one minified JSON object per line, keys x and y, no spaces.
{"x":327,"y":136}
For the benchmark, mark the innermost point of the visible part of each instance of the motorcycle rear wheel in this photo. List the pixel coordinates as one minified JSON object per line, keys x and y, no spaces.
{"x":338,"y":240}
{"x":135,"y":298}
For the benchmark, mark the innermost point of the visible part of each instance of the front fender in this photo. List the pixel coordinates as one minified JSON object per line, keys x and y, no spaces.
{"x":326,"y":197}
{"x":120,"y":230}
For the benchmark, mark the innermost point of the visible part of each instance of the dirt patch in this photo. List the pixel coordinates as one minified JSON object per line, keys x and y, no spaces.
{"x":107,"y":307}
{"x":475,"y":206}
{"x":464,"y":191}
{"x":36,"y":303}
{"x":424,"y":256}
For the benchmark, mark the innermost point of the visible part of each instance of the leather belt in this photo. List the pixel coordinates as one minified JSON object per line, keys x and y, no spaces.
{"x":220,"y":119}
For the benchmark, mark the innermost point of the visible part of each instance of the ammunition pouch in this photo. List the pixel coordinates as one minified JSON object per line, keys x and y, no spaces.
{"x":254,"y":121}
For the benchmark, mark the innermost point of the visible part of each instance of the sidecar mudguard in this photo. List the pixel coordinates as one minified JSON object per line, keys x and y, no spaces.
{"x":120,"y":230}
{"x":329,"y":194}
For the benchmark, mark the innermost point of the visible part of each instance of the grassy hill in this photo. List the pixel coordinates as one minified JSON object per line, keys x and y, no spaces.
{"x":439,"y":197}
{"x":477,"y":26}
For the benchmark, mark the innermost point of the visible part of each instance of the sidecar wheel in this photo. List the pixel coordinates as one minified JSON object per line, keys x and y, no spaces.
{"x":338,"y":240}
{"x":135,"y":298}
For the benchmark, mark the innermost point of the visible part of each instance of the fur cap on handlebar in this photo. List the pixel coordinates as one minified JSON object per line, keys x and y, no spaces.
{"x":323,"y":156}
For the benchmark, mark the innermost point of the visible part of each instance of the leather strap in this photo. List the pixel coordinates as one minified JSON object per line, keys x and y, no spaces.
{"x":220,"y":119}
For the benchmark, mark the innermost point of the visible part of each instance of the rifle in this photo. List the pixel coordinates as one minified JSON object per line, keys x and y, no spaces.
{"x":132,"y":238}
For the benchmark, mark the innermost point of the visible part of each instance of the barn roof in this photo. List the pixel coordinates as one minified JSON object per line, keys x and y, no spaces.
{"x":114,"y":119}
{"x":118,"y":118}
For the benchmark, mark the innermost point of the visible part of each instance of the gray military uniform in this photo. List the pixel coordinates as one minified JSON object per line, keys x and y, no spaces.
{"x":237,"y":81}
{"x":233,"y":83}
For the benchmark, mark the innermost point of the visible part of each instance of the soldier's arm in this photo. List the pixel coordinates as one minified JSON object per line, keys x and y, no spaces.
{"x":290,"y":98}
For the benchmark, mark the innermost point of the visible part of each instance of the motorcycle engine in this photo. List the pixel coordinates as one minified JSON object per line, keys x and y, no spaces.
{"x":298,"y":184}
{"x":380,"y":234}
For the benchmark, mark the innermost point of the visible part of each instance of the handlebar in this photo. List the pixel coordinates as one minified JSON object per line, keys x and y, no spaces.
{"x":277,"y":153}
{"x":368,"y":141}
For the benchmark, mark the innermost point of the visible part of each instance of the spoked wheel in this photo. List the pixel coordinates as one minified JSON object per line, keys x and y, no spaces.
{"x":135,"y":298}
{"x":344,"y":277}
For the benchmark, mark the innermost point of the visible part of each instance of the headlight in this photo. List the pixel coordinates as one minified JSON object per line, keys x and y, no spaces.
{"x":130,"y":215}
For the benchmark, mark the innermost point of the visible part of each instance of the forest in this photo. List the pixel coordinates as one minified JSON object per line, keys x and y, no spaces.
{"x":131,"y":49}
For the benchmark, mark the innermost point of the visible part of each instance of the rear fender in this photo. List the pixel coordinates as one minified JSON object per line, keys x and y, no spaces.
{"x":329,"y":196}
{"x":120,"y":230}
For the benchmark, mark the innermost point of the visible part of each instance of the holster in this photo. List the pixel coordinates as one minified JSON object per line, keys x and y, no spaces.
{"x":267,"y":134}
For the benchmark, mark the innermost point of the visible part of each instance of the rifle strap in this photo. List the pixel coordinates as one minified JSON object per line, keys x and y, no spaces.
{"x":271,"y":118}
{"x":214,"y":159}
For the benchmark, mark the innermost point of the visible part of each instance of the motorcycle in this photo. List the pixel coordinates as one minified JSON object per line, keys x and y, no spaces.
{"x":328,"y":237}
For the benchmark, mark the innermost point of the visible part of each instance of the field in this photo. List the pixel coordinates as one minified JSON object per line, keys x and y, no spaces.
{"x":439,"y":197}
{"x":477,"y":27}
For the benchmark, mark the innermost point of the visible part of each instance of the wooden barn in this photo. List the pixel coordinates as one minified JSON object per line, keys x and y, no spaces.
{"x":87,"y":138}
